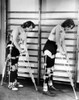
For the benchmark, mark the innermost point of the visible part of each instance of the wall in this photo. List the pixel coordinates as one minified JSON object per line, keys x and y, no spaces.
{"x":53,"y":12}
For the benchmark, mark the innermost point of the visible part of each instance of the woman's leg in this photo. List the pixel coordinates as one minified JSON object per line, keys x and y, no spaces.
{"x":50,"y":83}
{"x":46,"y":78}
{"x":12,"y":78}
{"x":13,"y":73}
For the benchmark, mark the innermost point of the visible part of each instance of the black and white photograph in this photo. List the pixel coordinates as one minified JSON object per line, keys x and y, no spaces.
{"x":39,"y":49}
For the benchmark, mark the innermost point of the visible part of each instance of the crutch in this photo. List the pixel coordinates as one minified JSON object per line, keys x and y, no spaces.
{"x":3,"y":73}
{"x":31,"y":74}
{"x":4,"y":69}
{"x":10,"y":63}
{"x":71,"y":80}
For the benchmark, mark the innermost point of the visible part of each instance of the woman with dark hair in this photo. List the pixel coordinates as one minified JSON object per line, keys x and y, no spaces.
{"x":28,"y":24}
{"x":19,"y":35}
{"x":55,"y":40}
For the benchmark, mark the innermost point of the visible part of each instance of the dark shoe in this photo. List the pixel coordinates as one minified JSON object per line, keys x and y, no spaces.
{"x":20,"y":85}
{"x":49,"y":93}
{"x":52,"y":88}
{"x":17,"y":84}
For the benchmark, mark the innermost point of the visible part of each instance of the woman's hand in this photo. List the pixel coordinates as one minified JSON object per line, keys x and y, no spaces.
{"x":62,"y":51}
{"x":26,"y":53}
{"x":67,"y":58}
{"x":22,"y":51}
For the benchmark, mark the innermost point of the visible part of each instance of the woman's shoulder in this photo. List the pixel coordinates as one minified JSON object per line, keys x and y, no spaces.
{"x":16,"y":28}
{"x":15,"y":31}
{"x":60,"y":28}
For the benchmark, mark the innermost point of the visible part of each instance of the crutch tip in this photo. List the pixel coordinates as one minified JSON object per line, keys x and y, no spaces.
{"x":1,"y":83}
{"x":36,"y":89}
{"x":77,"y":98}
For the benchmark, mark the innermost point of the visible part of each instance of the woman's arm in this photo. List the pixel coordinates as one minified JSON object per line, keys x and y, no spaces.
{"x":60,"y":40}
{"x":64,"y":46}
{"x":63,"y":42}
{"x":25,"y":44}
{"x":15,"y":34}
{"x":26,"y":48}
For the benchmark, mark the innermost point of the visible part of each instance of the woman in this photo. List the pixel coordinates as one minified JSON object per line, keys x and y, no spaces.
{"x":19,"y":35}
{"x":55,"y":40}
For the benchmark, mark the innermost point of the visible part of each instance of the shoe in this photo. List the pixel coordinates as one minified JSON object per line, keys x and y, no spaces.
{"x":19,"y":85}
{"x":52,"y":88}
{"x":45,"y":87}
{"x":49,"y":93}
{"x":12,"y":87}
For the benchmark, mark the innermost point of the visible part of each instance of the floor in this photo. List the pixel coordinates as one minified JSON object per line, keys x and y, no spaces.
{"x":28,"y":92}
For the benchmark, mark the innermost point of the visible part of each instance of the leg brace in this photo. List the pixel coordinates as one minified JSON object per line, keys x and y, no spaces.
{"x":48,"y":74}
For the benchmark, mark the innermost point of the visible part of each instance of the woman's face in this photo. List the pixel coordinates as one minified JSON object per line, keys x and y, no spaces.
{"x":27,"y":29}
{"x":68,"y":28}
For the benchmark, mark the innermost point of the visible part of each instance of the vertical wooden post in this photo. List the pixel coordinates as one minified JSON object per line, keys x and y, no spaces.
{"x":78,"y":42}
{"x":7,"y":1}
{"x":39,"y":43}
{"x":3,"y":33}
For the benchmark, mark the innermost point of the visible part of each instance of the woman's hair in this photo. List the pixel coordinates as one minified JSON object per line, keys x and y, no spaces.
{"x":68,"y":23}
{"x":28,"y":24}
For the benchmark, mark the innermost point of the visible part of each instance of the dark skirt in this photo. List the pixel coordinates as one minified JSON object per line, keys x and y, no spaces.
{"x":52,"y":47}
{"x":49,"y":62}
{"x":13,"y":51}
